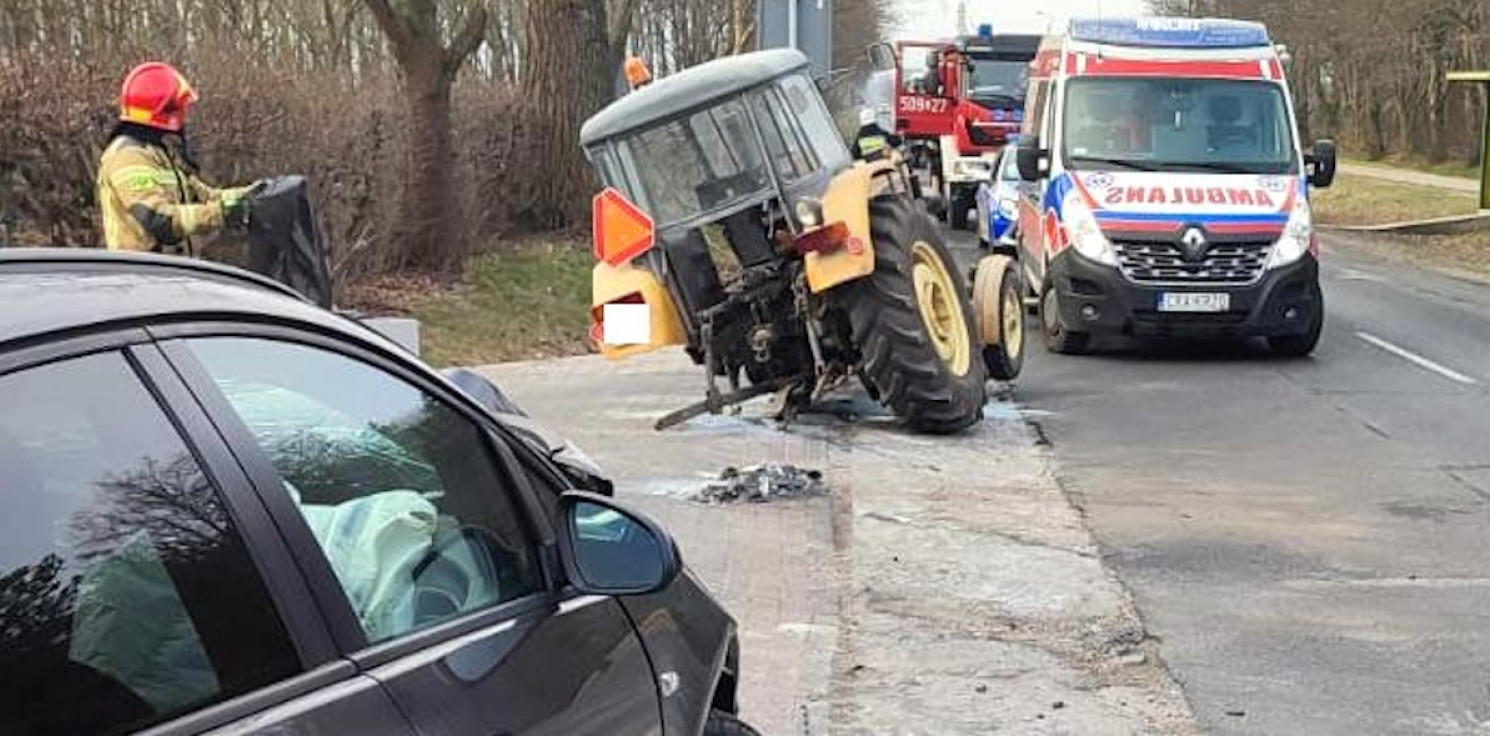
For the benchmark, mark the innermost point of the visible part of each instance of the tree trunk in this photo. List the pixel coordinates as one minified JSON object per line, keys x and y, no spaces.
{"x":567,"y":77}
{"x":426,"y":228}
{"x":428,"y":217}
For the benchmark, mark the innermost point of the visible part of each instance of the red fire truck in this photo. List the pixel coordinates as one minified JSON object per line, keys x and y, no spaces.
{"x":966,"y":104}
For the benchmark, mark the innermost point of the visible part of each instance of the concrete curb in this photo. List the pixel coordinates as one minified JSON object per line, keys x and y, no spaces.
{"x":1451,"y":225}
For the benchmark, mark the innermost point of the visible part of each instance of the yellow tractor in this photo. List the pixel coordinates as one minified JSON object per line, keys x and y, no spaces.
{"x":735,"y":223}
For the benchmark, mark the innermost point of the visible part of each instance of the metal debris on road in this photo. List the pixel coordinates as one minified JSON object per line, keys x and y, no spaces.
{"x":762,"y":483}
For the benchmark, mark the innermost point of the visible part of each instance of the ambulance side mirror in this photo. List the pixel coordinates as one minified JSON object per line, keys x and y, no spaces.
{"x":1032,"y":160}
{"x":1321,"y":163}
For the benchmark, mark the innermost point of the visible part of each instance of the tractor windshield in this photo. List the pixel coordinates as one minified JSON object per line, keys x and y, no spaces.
{"x":701,"y":163}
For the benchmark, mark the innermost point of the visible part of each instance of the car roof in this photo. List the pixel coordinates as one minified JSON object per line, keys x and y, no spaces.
{"x":62,"y":290}
{"x":690,"y":88}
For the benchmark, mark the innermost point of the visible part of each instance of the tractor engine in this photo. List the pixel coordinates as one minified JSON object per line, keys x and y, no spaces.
{"x":748,"y":296}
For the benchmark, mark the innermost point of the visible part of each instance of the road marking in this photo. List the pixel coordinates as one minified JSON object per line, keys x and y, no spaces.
{"x":1418,"y":360}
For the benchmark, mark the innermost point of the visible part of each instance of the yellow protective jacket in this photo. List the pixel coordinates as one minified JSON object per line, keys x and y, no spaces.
{"x":151,"y":203}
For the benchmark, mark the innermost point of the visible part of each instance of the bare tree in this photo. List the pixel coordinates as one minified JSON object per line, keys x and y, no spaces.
{"x":429,"y":66}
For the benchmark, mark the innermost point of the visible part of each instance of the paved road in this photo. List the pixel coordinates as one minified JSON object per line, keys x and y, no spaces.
{"x":1407,"y":176}
{"x":1310,"y":540}
{"x":944,"y":585}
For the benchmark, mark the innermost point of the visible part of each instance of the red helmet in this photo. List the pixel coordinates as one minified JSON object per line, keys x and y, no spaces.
{"x":157,"y":95}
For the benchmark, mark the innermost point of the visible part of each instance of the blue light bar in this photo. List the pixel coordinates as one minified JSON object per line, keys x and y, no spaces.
{"x":985,"y":30}
{"x":1163,"y":32}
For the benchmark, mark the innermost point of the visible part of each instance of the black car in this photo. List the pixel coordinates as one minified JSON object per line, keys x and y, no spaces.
{"x":226,"y":510}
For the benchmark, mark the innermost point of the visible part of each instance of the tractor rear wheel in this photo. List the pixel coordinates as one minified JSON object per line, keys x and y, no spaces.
{"x":913,"y":323}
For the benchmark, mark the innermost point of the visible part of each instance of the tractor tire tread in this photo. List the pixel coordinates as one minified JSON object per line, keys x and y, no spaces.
{"x":898,"y":357}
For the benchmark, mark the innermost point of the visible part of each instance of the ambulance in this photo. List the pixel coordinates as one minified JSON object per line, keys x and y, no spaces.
{"x":1166,"y":192}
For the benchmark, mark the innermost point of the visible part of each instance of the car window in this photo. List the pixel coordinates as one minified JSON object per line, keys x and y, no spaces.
{"x":807,"y":107}
{"x":1035,"y":113}
{"x":1009,"y":166}
{"x":402,"y":493}
{"x":788,"y":152}
{"x":126,"y":594}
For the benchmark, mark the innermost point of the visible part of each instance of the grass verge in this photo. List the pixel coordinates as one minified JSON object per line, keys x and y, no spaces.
{"x":522,"y":301}
{"x":1363,"y":200}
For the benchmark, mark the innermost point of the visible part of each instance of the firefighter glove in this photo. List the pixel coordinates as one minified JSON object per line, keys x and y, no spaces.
{"x":237,"y":209}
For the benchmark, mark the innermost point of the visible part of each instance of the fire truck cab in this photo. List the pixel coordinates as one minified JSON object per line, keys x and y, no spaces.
{"x":967,"y":104}
{"x":1167,"y":193}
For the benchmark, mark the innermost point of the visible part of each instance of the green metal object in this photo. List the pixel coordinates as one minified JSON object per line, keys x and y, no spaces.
{"x":1482,"y":79}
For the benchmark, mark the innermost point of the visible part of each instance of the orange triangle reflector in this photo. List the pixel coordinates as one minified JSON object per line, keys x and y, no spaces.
{"x":622,"y":230}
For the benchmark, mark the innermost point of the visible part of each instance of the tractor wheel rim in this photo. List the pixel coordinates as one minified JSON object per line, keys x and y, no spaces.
{"x":940,"y":308}
{"x":1013,"y":323}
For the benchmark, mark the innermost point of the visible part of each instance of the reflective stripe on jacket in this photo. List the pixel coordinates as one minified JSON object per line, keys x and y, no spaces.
{"x":149,"y":203}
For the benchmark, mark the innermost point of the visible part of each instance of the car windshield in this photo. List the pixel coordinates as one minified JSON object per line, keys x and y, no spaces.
{"x":703,"y":162}
{"x":1218,"y":125}
{"x":998,"y":81}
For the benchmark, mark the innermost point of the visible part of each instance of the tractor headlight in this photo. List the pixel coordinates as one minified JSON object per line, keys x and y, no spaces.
{"x":1297,"y":238}
{"x":1084,"y":233}
{"x":809,"y":212}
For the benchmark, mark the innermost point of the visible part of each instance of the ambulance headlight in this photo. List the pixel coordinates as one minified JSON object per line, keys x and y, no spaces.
{"x":1297,"y":238}
{"x":1083,"y":232}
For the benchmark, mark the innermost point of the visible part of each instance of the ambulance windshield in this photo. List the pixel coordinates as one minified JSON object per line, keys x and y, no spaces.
{"x":1200,"y":125}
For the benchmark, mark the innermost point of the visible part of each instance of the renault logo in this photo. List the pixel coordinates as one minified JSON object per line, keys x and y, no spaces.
{"x":1194,"y":244}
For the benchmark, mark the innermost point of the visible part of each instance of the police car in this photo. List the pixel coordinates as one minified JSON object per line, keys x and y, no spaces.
{"x":998,"y":204}
{"x":1170,"y":193}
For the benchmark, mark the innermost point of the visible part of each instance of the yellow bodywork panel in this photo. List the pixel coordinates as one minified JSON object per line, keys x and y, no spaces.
{"x":625,"y":283}
{"x":847,"y":201}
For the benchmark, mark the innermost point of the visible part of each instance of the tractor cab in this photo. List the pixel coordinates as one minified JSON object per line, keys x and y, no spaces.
{"x":744,"y":134}
{"x":730,"y":160}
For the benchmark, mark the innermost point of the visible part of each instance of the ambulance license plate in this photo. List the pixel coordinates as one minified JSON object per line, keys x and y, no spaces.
{"x":1170,"y":301}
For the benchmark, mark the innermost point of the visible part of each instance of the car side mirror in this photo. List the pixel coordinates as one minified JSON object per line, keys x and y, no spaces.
{"x":1031,"y":160}
{"x":1321,"y":162}
{"x":608,"y":549}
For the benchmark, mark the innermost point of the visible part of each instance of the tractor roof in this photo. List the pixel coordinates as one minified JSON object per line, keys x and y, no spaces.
{"x":688,"y":89}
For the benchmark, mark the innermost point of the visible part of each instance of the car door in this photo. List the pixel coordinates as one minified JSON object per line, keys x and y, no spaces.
{"x":1032,"y":216}
{"x":136,"y":592}
{"x":421,"y":534}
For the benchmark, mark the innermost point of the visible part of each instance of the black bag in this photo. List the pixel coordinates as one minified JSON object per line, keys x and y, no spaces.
{"x":285,"y":241}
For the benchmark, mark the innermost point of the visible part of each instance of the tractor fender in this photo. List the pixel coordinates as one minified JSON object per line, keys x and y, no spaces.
{"x":847,"y":200}
{"x":624,"y":283}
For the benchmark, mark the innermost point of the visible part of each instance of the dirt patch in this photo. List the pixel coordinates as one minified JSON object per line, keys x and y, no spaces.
{"x":396,"y":295}
{"x":1465,"y":255}
{"x":1459,"y":170}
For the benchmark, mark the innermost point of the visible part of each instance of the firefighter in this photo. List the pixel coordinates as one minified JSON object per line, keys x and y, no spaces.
{"x":148,"y":189}
{"x":872,"y":142}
